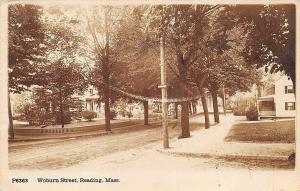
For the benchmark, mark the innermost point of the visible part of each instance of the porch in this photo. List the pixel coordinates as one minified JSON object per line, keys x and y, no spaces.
{"x":266,"y":106}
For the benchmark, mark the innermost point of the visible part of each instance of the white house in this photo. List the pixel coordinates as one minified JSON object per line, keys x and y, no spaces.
{"x":91,"y":103}
{"x":90,"y":99}
{"x":276,"y":97}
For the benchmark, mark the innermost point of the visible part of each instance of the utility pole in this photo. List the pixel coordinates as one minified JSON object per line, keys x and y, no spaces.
{"x":163,"y":87}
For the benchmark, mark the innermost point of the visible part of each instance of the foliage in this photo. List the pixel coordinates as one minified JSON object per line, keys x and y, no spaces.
{"x":252,"y":113}
{"x":112,"y":114}
{"x":41,"y":109}
{"x":271,"y":41}
{"x":129,"y":115}
{"x":138,"y":49}
{"x":135,"y":47}
{"x":123,"y":113}
{"x":63,"y":74}
{"x":25,"y":42}
{"x":46,"y":100}
{"x":39,"y":116}
{"x":102,"y":25}
{"x":182,"y":28}
{"x":35,"y":115}
{"x":43,"y":51}
{"x":220,"y":58}
{"x":89,"y":115}
{"x":67,"y":117}
{"x":239,"y":110}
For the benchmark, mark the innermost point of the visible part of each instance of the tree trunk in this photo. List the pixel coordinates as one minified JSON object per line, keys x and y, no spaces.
{"x":106,"y":74}
{"x":182,"y":67}
{"x":62,"y":117}
{"x":11,"y":125}
{"x":185,"y":120}
{"x":146,"y":112}
{"x":194,"y":107}
{"x":215,"y":106}
{"x":224,"y":100}
{"x":176,"y":110}
{"x":190,"y":108}
{"x":224,"y":106}
{"x":107,"y":107}
{"x":205,"y":108}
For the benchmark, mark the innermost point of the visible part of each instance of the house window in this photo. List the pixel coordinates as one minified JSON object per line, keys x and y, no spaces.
{"x":290,"y":105}
{"x":289,"y":89}
{"x":91,"y":91}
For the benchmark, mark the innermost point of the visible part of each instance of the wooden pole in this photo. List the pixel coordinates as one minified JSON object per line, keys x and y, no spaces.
{"x":163,"y":87}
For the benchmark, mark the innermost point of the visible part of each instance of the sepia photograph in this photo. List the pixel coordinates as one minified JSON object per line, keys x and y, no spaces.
{"x":151,"y":96}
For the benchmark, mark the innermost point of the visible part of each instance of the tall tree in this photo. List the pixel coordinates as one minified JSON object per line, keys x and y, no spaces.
{"x":63,"y":74}
{"x":25,"y":39}
{"x":183,"y":27}
{"x":103,"y":22}
{"x":220,"y":55}
{"x":272,"y":36}
{"x":138,"y":48}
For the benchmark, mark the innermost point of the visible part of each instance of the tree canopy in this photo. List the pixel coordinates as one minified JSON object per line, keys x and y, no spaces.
{"x":26,"y":46}
{"x":271,"y":41}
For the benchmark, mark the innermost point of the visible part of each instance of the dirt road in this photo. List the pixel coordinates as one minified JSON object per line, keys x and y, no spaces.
{"x":62,"y":153}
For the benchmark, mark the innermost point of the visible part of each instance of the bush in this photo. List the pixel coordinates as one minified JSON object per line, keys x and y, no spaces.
{"x":252,"y":113}
{"x":112,"y":114}
{"x":67,"y":118}
{"x":89,"y":115}
{"x":239,"y":111}
{"x":123,"y":113}
{"x":35,"y":116}
{"x":129,"y":115}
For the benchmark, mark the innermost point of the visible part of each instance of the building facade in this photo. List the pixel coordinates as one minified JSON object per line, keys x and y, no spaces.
{"x":90,"y":100}
{"x":276,"y":98}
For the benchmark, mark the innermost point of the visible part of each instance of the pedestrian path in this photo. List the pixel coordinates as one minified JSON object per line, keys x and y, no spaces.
{"x":115,"y":129}
{"x":71,"y":130}
{"x":211,"y":143}
{"x":73,"y":124}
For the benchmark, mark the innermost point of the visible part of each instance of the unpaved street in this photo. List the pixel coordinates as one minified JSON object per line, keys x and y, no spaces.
{"x":135,"y":159}
{"x":62,"y":153}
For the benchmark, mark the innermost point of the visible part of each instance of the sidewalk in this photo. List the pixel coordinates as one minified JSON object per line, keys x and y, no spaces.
{"x":75,"y":124}
{"x":98,"y":132}
{"x":209,"y":143}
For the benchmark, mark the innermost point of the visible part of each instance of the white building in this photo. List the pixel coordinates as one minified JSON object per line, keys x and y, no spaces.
{"x":91,"y":102}
{"x":276,"y":97}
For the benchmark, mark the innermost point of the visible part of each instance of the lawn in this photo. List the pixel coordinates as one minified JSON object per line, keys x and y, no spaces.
{"x":265,"y":132}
